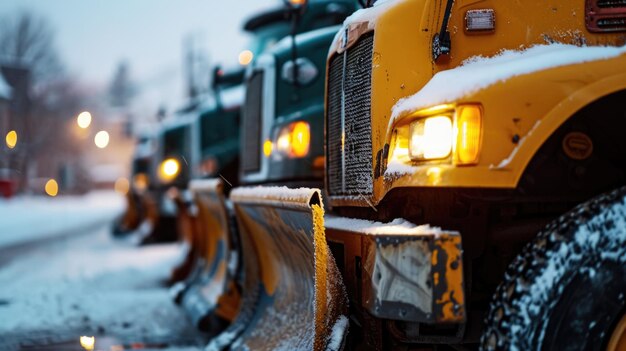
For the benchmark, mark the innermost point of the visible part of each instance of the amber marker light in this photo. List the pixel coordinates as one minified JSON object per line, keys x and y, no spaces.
{"x":300,"y":139}
{"x":140,"y":181}
{"x":298,"y":3}
{"x":52,"y":188}
{"x":11,"y":139}
{"x":294,"y":140}
{"x":267,"y":148}
{"x":468,"y":130}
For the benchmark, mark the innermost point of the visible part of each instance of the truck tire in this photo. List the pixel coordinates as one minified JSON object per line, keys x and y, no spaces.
{"x":566,"y":290}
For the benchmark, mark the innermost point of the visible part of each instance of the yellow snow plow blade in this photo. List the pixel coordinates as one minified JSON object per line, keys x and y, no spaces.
{"x":212,"y":297}
{"x":400,"y":271}
{"x":131,"y":219}
{"x":294,"y":298}
{"x":186,"y":228}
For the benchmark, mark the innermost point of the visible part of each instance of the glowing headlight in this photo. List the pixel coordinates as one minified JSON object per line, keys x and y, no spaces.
{"x":169,"y":169}
{"x":431,"y":138}
{"x":294,"y":140}
{"x":447,"y":133}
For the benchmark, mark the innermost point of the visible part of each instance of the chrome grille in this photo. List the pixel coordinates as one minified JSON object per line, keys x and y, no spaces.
{"x":349,"y":169}
{"x":252,"y":124}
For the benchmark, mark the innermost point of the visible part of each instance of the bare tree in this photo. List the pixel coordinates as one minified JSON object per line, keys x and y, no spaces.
{"x":45,"y":100}
{"x":121,"y":90}
{"x":27,"y":40}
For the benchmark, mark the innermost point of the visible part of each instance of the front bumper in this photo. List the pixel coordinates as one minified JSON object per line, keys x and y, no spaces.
{"x":400,"y":271}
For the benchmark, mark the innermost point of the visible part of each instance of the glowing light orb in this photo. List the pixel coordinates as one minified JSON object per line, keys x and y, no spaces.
{"x":52,"y":187}
{"x":84,"y":120}
{"x":245,"y":57}
{"x":101,"y":139}
{"x":11,"y":139}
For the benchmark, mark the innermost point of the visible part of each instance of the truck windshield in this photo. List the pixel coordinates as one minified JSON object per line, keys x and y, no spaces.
{"x":218,"y":127}
{"x":265,"y":37}
{"x":174,"y":141}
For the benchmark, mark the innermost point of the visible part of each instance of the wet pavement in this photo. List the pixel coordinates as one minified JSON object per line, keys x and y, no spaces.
{"x":90,"y":284}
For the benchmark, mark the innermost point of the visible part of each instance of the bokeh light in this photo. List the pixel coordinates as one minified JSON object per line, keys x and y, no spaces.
{"x":101,"y":139}
{"x":52,"y":187}
{"x":245,"y":57}
{"x":11,"y":139}
{"x":88,"y":342}
{"x":122,"y":185}
{"x":84,"y":119}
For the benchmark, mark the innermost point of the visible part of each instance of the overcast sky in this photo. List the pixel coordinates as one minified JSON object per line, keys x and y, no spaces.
{"x":92,"y":36}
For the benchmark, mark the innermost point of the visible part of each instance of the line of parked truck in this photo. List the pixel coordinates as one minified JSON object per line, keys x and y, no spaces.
{"x":402,"y":175}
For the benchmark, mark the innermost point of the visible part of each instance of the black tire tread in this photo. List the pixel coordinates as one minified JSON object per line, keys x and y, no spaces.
{"x":519,"y":308}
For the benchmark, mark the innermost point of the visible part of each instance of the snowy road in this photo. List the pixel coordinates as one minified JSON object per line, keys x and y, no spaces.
{"x":91,"y":284}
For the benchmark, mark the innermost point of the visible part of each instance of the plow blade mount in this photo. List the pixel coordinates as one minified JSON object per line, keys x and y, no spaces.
{"x":211,"y":297}
{"x":157,"y":227}
{"x":293,"y":296}
{"x":132,"y":217}
{"x":186,"y":223}
{"x":400,"y":271}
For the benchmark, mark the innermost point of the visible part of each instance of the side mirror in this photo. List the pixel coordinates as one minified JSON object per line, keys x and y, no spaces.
{"x":226,"y":78}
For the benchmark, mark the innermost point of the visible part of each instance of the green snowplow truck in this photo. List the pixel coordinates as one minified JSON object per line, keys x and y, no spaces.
{"x":282,"y":143}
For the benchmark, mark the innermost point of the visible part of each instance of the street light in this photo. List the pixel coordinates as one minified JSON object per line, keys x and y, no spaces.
{"x":245,"y":57}
{"x":52,"y":188}
{"x":11,"y":139}
{"x":101,"y":139}
{"x":84,"y":120}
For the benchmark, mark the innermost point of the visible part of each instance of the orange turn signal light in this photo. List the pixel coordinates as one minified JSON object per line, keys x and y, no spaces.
{"x":468,"y":129}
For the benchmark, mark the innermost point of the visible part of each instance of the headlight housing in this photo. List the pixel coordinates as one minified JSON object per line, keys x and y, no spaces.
{"x":440,"y":134}
{"x":168,"y":170}
{"x":292,"y":140}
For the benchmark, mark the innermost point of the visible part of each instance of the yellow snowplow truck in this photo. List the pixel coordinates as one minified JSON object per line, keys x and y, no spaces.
{"x":474,"y":173}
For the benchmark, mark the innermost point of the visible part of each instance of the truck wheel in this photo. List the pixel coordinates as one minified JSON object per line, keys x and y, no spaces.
{"x":566,"y":290}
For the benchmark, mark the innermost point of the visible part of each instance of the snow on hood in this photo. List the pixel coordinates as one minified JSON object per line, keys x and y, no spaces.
{"x":398,"y":226}
{"x":480,"y":72}
{"x":5,"y":89}
{"x":364,"y":15}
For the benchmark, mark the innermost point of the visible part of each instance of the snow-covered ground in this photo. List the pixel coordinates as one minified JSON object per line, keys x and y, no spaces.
{"x":29,"y":218}
{"x":92,"y":285}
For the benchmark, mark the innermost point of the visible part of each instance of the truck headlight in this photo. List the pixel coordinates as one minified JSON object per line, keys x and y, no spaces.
{"x":448,"y":133}
{"x":293,"y":140}
{"x":431,"y":138}
{"x":169,"y":169}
